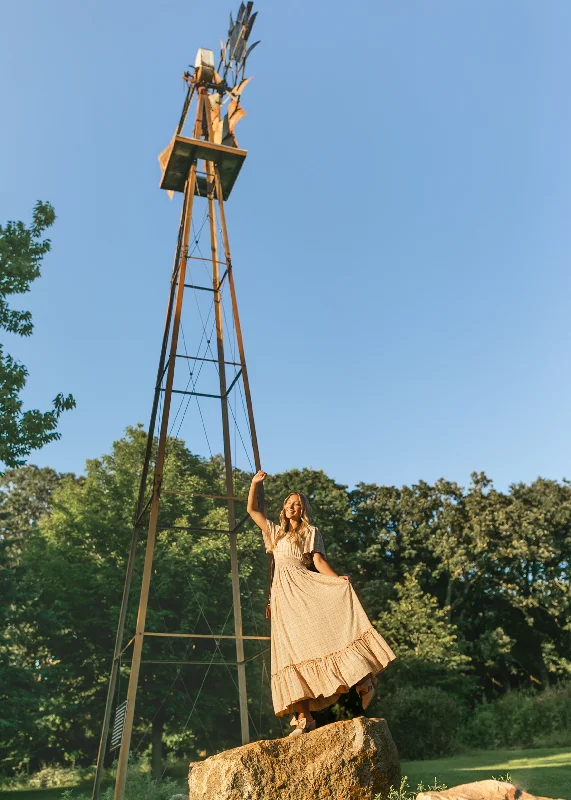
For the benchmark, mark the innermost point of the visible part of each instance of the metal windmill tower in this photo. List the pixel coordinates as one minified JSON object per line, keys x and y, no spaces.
{"x":203,"y":166}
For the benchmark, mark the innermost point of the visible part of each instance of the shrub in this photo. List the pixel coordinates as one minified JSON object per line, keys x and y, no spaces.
{"x":552,"y":709}
{"x":404,"y":792}
{"x":481,"y":728}
{"x":52,"y":776}
{"x":139,"y":785}
{"x":522,"y":718}
{"x":414,"y":673}
{"x":423,"y":721}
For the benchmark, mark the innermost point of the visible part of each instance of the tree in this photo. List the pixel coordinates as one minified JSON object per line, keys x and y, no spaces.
{"x":74,"y":572}
{"x":21,"y":252}
{"x":497,"y":562}
{"x":429,"y":649}
{"x":25,"y":495}
{"x":518,"y":610}
{"x":418,"y":628}
{"x":468,"y":585}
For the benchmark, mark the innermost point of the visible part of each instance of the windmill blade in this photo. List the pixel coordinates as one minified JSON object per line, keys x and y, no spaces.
{"x":250,"y":25}
{"x":235,"y":51}
{"x":233,"y":36}
{"x":249,"y":50}
{"x":239,"y":51}
{"x":249,"y":8}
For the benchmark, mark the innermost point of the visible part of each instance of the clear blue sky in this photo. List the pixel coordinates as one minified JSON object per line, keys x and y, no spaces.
{"x":400,"y":230}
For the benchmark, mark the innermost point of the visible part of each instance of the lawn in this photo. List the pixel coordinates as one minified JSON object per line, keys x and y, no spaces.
{"x":543,"y":772}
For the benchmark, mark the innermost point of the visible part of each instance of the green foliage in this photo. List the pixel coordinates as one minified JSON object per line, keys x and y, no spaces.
{"x":404,"y":791}
{"x":419,"y":629}
{"x":139,"y":786}
{"x":425,"y":642}
{"x":59,"y":776}
{"x":498,"y":562}
{"x":21,"y":252}
{"x":72,"y":573}
{"x":423,"y":722}
{"x":521,"y":718}
{"x":470,"y":587}
{"x":46,"y":777}
{"x":503,"y":778}
{"x":25,"y":496}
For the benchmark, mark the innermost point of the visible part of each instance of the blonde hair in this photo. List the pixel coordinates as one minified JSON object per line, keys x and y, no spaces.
{"x":299,"y":534}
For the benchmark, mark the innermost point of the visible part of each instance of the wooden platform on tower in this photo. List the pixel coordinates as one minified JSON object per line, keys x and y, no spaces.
{"x":185,"y":152}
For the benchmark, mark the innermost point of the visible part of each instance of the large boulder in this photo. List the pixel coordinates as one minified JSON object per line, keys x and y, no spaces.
{"x":481,"y":790}
{"x":350,"y":760}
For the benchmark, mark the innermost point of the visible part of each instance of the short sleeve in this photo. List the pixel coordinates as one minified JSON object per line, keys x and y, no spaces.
{"x":314,"y":541}
{"x":270,"y":535}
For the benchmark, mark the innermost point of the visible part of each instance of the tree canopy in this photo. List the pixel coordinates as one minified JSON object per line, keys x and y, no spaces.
{"x":21,"y":252}
{"x":469,"y":585}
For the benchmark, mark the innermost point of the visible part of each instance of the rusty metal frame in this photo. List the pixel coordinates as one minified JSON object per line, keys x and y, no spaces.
{"x":203,"y":636}
{"x":141,"y":508}
{"x":204,"y":663}
{"x":166,"y":366}
{"x":211,"y":360}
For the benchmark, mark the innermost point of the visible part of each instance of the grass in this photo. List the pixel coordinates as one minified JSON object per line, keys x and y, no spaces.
{"x":546,"y":772}
{"x":543,"y":772}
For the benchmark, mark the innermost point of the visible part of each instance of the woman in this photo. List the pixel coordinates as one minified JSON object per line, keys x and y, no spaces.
{"x":322,"y":641}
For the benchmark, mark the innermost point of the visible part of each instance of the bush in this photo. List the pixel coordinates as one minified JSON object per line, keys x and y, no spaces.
{"x":48,"y":777}
{"x":521,"y":719}
{"x":481,"y":729}
{"x":414,"y":673}
{"x":423,"y":721}
{"x":139,"y":786}
{"x":553,"y":711}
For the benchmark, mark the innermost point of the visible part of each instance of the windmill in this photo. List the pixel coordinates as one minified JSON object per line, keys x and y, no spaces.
{"x":203,"y":167}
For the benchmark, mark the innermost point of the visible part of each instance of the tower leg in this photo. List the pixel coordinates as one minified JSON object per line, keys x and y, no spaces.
{"x":145,"y":585}
{"x":135,"y":536}
{"x":236,"y":315}
{"x":243,"y":697}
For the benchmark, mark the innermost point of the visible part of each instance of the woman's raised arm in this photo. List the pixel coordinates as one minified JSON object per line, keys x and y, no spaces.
{"x":258,"y":517}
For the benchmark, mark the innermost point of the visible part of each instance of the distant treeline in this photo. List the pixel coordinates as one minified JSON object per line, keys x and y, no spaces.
{"x":469,"y":585}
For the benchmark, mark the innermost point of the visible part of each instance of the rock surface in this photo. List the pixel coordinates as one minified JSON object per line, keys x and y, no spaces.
{"x":481,"y":790}
{"x":350,"y":760}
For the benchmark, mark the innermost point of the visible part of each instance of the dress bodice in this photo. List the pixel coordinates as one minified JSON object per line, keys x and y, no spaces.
{"x":288,"y":550}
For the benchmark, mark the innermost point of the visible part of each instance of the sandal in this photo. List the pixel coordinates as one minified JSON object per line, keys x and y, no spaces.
{"x":366,"y":691}
{"x":301,"y":726}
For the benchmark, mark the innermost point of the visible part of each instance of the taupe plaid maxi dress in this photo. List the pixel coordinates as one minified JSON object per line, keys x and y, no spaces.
{"x":322,"y":641}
